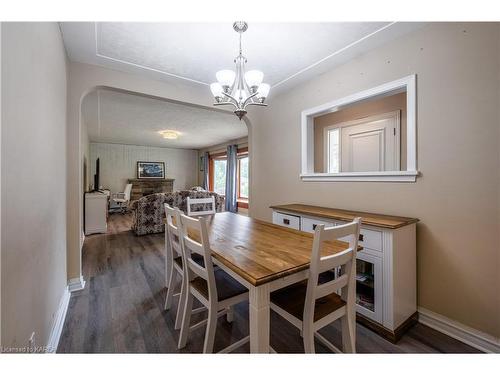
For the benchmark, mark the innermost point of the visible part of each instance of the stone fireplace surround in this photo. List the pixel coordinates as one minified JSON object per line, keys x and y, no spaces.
{"x":143,"y":186}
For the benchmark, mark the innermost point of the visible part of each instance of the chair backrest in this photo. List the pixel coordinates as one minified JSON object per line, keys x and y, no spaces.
{"x":345,"y":259}
{"x":195,"y":239}
{"x":205,"y":201}
{"x":128,"y":190}
{"x":173,"y":231}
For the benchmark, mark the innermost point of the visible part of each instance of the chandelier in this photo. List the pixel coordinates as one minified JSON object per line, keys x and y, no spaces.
{"x":238,"y":88}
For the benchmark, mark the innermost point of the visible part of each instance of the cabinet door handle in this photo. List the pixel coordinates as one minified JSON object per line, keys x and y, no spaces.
{"x":361,"y":237}
{"x":286,"y":221}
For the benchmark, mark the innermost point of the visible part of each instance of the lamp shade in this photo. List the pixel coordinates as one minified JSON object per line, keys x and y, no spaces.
{"x":225,"y":77}
{"x":216,"y":89}
{"x":254,"y":78}
{"x":263,"y":90}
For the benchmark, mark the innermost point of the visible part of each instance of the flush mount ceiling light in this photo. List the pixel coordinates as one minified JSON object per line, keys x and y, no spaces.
{"x":238,"y":88}
{"x":169,"y":134}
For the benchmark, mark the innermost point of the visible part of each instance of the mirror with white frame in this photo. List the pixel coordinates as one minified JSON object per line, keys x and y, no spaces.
{"x":368,"y":136}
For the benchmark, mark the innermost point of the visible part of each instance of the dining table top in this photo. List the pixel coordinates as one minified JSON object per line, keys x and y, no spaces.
{"x":261,"y":252}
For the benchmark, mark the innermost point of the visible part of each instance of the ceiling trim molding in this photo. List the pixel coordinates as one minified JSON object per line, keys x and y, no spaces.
{"x":301,"y":71}
{"x":99,"y":55}
{"x":334,"y":54}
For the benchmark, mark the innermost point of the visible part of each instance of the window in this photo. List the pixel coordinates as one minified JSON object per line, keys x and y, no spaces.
{"x":217,"y":175}
{"x":384,"y":150}
{"x":243,"y":177}
{"x":219,"y":181}
{"x":333,"y":150}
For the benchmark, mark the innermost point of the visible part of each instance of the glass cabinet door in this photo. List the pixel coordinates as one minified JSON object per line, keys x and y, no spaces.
{"x":369,"y":286}
{"x":365,"y":286}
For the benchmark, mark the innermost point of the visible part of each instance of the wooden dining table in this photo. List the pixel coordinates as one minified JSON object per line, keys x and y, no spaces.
{"x":263,"y":257}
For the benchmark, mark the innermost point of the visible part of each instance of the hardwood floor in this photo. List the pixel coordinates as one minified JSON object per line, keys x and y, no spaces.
{"x":121,"y":308}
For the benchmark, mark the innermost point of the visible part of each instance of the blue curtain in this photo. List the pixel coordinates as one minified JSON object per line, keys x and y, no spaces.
{"x":206,"y":159}
{"x":231,"y":204}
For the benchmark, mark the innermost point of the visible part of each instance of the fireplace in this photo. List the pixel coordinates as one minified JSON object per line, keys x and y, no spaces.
{"x":142,"y":187}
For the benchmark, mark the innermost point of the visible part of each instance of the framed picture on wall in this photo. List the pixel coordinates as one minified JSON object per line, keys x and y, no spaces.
{"x":150,"y":169}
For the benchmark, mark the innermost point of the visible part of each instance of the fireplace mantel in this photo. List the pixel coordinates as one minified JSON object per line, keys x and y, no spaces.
{"x":146,"y":186}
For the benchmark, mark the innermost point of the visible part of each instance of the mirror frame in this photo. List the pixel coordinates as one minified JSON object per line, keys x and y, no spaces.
{"x":407,"y":84}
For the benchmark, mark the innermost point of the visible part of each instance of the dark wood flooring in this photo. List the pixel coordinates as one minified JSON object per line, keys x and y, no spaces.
{"x":121,"y":308}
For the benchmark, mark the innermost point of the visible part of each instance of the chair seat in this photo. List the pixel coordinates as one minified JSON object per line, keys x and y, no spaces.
{"x":227,"y":287}
{"x":292,"y":300}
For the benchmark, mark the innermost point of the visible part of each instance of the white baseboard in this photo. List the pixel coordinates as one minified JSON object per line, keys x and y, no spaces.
{"x":459,"y":331}
{"x":58,"y":322}
{"x":76,"y":284}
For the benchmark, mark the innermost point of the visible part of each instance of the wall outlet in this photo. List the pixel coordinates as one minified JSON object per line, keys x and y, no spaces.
{"x":31,"y":343}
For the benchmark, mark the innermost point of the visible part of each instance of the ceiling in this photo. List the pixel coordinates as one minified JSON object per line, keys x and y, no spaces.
{"x":119,"y":117}
{"x":287,"y":53}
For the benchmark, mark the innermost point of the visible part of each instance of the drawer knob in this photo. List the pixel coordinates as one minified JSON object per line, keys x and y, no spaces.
{"x":361,"y":237}
{"x":286,"y":221}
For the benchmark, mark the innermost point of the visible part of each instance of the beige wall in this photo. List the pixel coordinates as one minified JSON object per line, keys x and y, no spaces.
{"x":240,"y":142}
{"x":118,"y":163}
{"x":456,"y":197}
{"x":33,"y":180}
{"x":356,"y":112}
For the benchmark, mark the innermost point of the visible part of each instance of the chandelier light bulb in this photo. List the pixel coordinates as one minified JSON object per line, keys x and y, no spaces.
{"x":263,"y":91}
{"x":225,"y":78}
{"x":254,"y":79}
{"x":217,"y":91}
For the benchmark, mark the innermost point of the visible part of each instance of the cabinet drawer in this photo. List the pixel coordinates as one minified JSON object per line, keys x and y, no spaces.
{"x":371,"y":239}
{"x":286,"y":220}
{"x":309,"y":225}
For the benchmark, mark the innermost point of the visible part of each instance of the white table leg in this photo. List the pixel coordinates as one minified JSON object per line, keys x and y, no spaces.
{"x":259,"y":319}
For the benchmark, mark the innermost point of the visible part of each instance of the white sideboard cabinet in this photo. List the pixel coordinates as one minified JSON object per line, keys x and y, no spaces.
{"x":96,"y":212}
{"x":386,"y":279}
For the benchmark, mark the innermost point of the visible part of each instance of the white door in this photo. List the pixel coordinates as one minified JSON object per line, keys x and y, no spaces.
{"x":371,"y":144}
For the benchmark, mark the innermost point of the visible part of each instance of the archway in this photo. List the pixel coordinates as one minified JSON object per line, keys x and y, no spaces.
{"x":84,"y":79}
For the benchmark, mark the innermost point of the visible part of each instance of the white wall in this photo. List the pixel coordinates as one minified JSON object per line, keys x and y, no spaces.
{"x":457,"y":196}
{"x":119,"y":162}
{"x":33,"y":192}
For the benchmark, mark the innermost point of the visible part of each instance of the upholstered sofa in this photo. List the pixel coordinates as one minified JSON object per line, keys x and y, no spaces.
{"x":148,"y":212}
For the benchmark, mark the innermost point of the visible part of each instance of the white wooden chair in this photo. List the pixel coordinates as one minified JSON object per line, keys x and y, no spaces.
{"x":173,"y":261}
{"x":194,"y":201}
{"x":214,"y":288}
{"x":310,"y":306}
{"x":123,"y":199}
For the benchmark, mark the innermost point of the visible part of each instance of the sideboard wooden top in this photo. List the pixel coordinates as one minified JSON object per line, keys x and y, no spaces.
{"x":376,"y":220}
